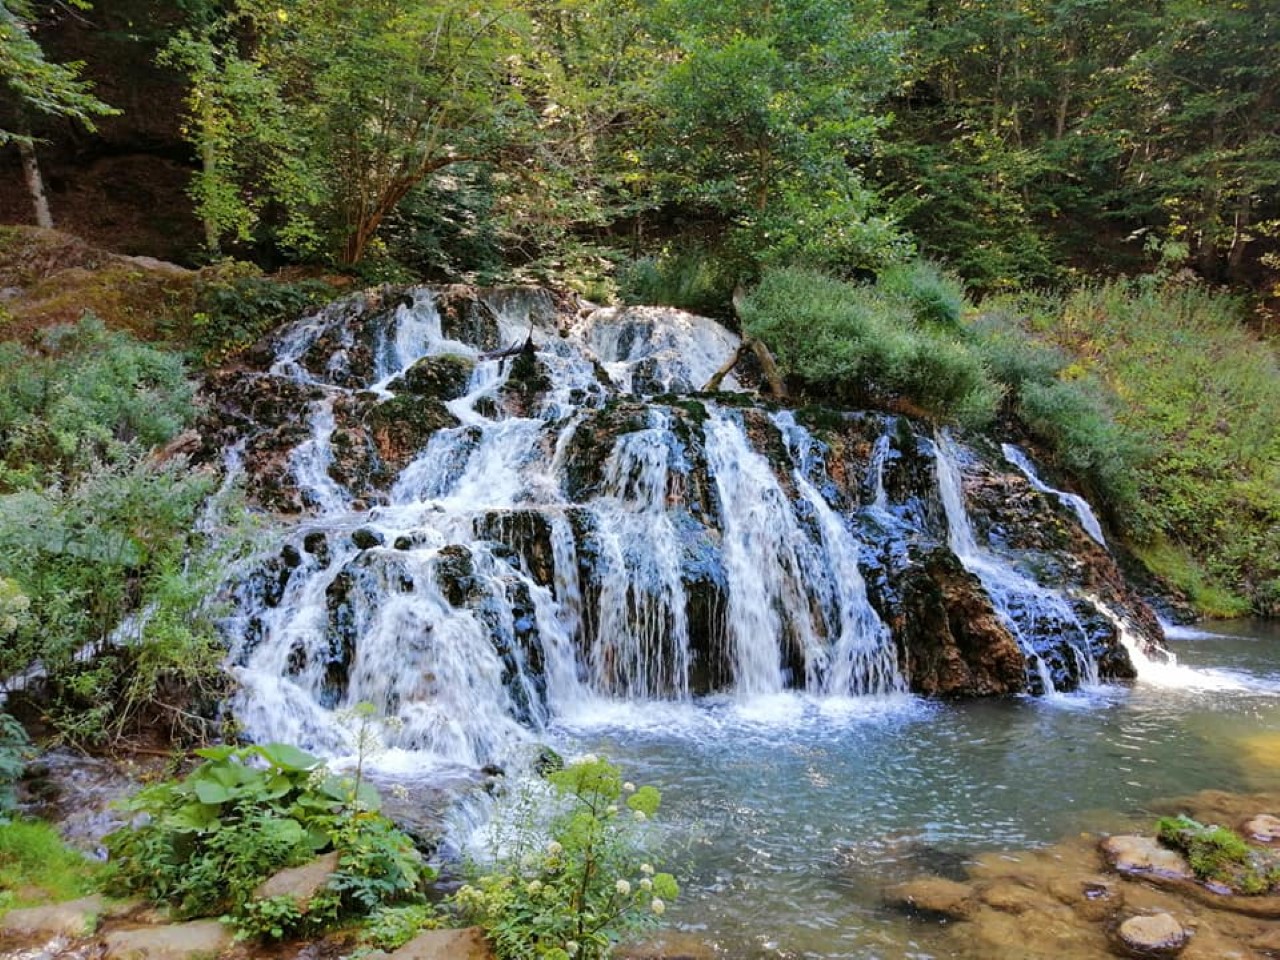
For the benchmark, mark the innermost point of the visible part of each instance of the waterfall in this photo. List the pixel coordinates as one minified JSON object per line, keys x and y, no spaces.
{"x":1034,"y":614}
{"x":483,"y":555}
{"x":863,"y":658}
{"x":1079,"y":505}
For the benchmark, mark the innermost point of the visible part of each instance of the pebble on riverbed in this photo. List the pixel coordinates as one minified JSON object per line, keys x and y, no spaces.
{"x":1264,"y":828}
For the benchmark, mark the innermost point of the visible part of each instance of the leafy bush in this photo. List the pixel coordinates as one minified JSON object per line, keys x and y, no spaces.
{"x":1197,"y":395}
{"x":1221,"y":856}
{"x":572,"y":889}
{"x":235,"y":309}
{"x":242,"y":815}
{"x":690,"y":280}
{"x":90,"y":397}
{"x":859,"y":345}
{"x":935,"y":297}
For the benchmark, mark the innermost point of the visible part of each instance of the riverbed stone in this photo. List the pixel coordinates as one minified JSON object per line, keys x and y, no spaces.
{"x":466,"y":944}
{"x":74,"y":918}
{"x":936,"y":896}
{"x":302,"y":883}
{"x":1090,"y":898}
{"x":196,"y":940}
{"x":1264,"y":827}
{"x":668,"y":945}
{"x":1009,"y":897}
{"x":1144,"y":855}
{"x":1154,"y":935}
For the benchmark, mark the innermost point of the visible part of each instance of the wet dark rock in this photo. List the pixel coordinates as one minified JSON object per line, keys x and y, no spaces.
{"x":468,"y":318}
{"x":951,"y":638}
{"x":594,"y":440}
{"x":316,"y":543}
{"x":528,"y":534}
{"x":402,"y":426}
{"x":367,"y":538}
{"x":454,"y":572}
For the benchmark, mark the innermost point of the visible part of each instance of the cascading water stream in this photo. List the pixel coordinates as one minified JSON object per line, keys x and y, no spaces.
{"x":1028,"y":609}
{"x":565,"y":541}
{"x":863,"y":658}
{"x":1078,"y":504}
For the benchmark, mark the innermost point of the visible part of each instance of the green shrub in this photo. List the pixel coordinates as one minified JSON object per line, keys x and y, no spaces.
{"x":692,"y":280}
{"x":1198,"y":395}
{"x":935,"y":297}
{"x":91,"y":396}
{"x":211,"y":838}
{"x":575,"y":888}
{"x":235,"y":309}
{"x":13,"y":755}
{"x":1221,"y":856}
{"x":856,"y":345}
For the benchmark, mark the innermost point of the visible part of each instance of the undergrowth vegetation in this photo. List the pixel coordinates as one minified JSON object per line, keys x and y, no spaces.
{"x":890,"y":343}
{"x":569,"y":874}
{"x":37,"y":867}
{"x":1179,"y":433}
{"x":94,"y":528}
{"x":211,"y":839}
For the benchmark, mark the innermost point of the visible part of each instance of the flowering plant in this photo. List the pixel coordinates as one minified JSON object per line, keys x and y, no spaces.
{"x":568,"y":891}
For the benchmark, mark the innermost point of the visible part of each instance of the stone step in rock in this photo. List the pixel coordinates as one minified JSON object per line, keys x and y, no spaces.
{"x":74,"y":918}
{"x":466,"y":944}
{"x":197,"y":940}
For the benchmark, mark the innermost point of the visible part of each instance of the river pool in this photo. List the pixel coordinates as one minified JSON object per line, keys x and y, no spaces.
{"x":786,"y":816}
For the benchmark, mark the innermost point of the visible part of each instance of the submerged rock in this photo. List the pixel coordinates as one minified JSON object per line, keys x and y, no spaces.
{"x":933,"y":896}
{"x":1156,"y":935}
{"x":1144,"y":855}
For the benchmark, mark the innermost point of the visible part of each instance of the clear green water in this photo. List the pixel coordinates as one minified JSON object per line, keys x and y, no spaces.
{"x":785,"y":817}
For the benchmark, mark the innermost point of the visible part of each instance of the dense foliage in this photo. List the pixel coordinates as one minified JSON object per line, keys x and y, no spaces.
{"x":93,"y":528}
{"x":210,"y":839}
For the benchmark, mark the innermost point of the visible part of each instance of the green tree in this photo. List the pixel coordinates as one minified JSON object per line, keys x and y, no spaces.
{"x":1206,"y":152}
{"x":327,"y":114}
{"x":767,"y":116}
{"x":39,"y":86}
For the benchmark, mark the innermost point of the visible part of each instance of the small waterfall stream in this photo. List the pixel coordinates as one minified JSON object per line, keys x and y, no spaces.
{"x":482,"y":547}
{"x":1028,"y":609}
{"x":1078,"y":504}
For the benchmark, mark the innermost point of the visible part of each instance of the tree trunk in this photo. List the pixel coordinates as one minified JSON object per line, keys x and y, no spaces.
{"x":35,"y":184}
{"x":1239,"y":236}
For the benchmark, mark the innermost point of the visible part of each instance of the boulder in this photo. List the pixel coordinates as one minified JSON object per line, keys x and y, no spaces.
{"x":1144,"y":855}
{"x":197,"y":940}
{"x":302,"y":883}
{"x":467,"y":944}
{"x":74,"y":918}
{"x":933,"y":896}
{"x":1264,"y":828}
{"x":1155,"y":935}
{"x":955,"y":642}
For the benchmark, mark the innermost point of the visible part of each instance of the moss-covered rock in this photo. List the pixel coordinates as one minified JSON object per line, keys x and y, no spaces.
{"x":442,"y":377}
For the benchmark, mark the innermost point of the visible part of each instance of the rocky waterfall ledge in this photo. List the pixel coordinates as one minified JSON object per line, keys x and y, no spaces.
{"x":474,"y":543}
